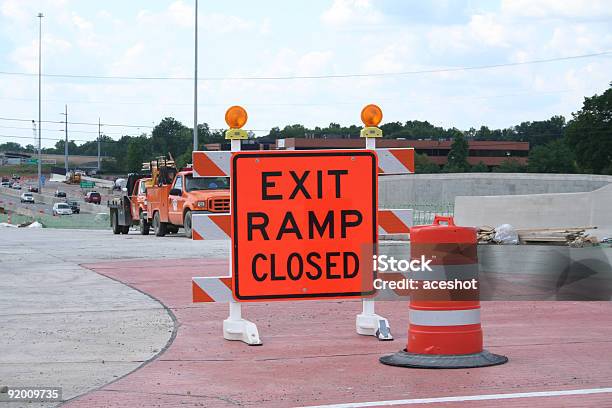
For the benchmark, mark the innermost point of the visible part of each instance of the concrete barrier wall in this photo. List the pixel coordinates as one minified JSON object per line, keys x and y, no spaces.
{"x":404,"y":190}
{"x":538,"y":210}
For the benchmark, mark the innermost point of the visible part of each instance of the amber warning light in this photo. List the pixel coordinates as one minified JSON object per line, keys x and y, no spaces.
{"x":371,"y":116}
{"x":236,"y":117}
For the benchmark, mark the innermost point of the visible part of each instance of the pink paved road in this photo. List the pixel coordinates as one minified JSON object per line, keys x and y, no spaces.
{"x":311,"y":354}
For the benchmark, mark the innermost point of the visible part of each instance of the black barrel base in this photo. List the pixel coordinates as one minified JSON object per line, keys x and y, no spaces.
{"x":413,"y":360}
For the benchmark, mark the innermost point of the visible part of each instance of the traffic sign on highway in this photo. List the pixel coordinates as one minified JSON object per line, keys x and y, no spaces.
{"x":303,"y":224}
{"x":87,"y":184}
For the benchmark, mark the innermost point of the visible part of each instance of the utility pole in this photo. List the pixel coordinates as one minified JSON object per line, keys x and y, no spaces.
{"x":40,"y":17}
{"x":66,"y":140}
{"x":98,"y":145}
{"x":195,"y":84}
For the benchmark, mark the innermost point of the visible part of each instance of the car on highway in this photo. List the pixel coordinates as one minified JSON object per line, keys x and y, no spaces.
{"x":33,"y":189}
{"x":93,"y":197}
{"x":60,"y":193}
{"x":27,"y":198}
{"x":16,"y":186}
{"x":6,"y":184}
{"x":61,"y":209}
{"x":74,"y":206}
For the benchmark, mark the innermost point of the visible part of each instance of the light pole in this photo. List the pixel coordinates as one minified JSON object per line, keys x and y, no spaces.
{"x":99,"y":145}
{"x":66,"y":140}
{"x":40,"y":17}
{"x":195,"y":83}
{"x":35,"y":132}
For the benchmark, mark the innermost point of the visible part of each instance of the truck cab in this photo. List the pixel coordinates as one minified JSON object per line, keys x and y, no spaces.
{"x":189,"y":195}
{"x":138,"y":204}
{"x":130,"y":208}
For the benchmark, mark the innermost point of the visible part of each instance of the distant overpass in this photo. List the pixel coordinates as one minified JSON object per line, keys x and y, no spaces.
{"x":58,"y":159}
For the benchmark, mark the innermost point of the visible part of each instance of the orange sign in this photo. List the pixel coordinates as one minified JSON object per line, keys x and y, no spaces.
{"x":303,"y":224}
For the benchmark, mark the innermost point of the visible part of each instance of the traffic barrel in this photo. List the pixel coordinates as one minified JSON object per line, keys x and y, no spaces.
{"x":444,"y":328}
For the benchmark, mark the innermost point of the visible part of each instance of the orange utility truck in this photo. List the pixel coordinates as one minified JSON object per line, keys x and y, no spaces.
{"x":174,"y":196}
{"x":131,"y":207}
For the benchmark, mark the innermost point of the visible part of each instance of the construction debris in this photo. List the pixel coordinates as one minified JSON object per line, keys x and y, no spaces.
{"x":486,"y":235}
{"x":575,"y":237}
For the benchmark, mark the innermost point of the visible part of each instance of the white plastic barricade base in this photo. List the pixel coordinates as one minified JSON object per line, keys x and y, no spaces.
{"x":369,"y":323}
{"x":237,"y":328}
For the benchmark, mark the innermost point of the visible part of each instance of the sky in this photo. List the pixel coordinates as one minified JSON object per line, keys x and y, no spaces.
{"x":242,"y":41}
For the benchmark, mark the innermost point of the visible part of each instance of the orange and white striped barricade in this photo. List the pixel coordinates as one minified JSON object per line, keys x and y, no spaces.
{"x":445,"y":328}
{"x":211,"y":163}
{"x":217,"y":226}
{"x":395,"y":161}
{"x":391,"y":161}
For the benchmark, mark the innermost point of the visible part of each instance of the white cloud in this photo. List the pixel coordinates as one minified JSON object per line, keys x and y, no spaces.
{"x":27,"y":56}
{"x":487,"y":29}
{"x":315,"y":62}
{"x":14,"y":10}
{"x":81,"y":23}
{"x":353,"y":12}
{"x":567,"y":9}
{"x":389,"y":59}
{"x":181,"y":13}
{"x":112,"y":41}
{"x":130,"y":61}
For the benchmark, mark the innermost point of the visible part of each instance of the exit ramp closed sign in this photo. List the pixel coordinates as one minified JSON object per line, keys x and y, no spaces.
{"x":303,"y":224}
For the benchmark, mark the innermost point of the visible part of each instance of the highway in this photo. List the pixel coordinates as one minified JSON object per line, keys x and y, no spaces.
{"x":72,"y":193}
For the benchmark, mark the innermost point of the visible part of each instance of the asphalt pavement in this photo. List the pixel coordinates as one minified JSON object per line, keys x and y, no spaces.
{"x":66,"y":325}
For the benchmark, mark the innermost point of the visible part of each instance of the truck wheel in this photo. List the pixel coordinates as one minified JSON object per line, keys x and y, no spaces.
{"x":125,"y":229}
{"x":144,"y":225}
{"x":115,"y":224}
{"x":187,"y":224}
{"x":158,"y":227}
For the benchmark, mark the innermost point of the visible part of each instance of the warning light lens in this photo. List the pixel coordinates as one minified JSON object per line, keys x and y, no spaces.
{"x":236,"y":117}
{"x":371,"y":115}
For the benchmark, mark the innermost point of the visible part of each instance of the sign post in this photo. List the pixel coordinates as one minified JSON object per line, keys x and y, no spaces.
{"x":235,"y":327}
{"x":368,"y":323}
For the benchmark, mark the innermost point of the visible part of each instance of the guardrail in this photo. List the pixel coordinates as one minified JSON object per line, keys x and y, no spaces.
{"x":424,"y":213}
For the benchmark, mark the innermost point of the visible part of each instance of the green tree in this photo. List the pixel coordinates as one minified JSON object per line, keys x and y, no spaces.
{"x":110,"y":166}
{"x":138,"y":151}
{"x":539,"y":133}
{"x":72,"y":147}
{"x":184,"y":159}
{"x":555,"y":157}
{"x":480,"y":168}
{"x":589,"y":134}
{"x":170,"y":137}
{"x":510,"y":166}
{"x":423,"y":165}
{"x":457,"y":157}
{"x":11,"y":147}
